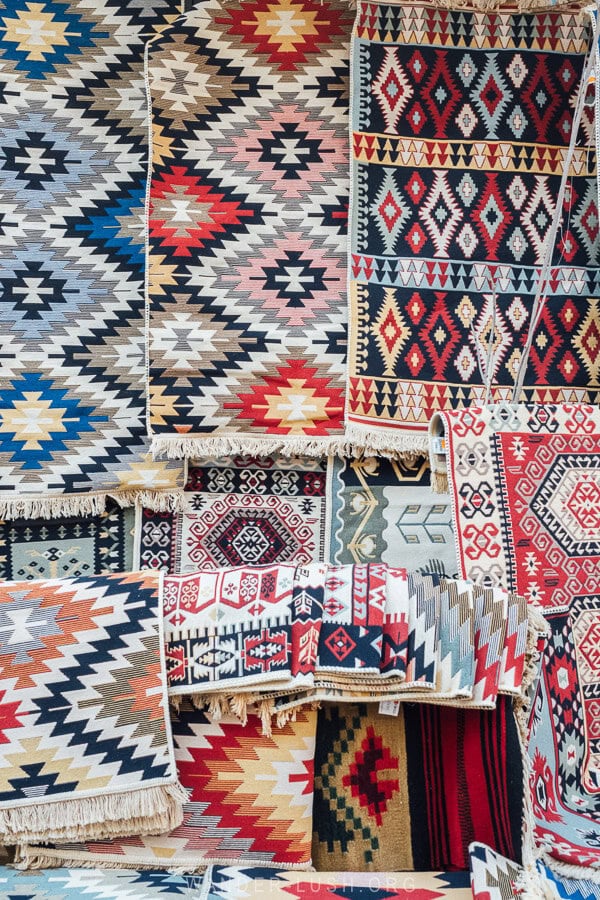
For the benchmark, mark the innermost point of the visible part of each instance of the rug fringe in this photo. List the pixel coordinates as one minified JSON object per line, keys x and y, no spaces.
{"x":566,"y":870}
{"x":92,"y":504}
{"x":152,"y":810}
{"x":354,"y":443}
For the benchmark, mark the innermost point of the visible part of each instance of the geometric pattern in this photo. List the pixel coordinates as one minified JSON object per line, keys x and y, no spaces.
{"x":566,"y":815}
{"x":67,"y":547}
{"x":223,"y":883}
{"x":410,"y":792}
{"x":66,"y":734}
{"x":584,"y":616}
{"x":72,"y":176}
{"x":386,"y":510}
{"x":241,"y":511}
{"x":525,"y":484}
{"x":493,"y":877}
{"x":250,"y":799}
{"x":71,"y":884}
{"x":246,"y":226}
{"x":457,"y":153}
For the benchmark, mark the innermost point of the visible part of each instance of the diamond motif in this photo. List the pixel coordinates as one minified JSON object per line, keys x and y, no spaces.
{"x":390,"y":211}
{"x":390,"y":331}
{"x":441,"y":214}
{"x":392,"y":89}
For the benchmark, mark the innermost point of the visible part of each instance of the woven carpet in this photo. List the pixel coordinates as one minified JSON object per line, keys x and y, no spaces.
{"x":460,"y":127}
{"x":412,"y":791}
{"x":584,"y":615}
{"x":247,"y":227}
{"x":223,"y":883}
{"x":493,"y":877}
{"x":72,"y":884}
{"x":250,"y":800}
{"x":79,"y":759}
{"x":240,"y":511}
{"x":68,"y":546}
{"x":72,"y":176}
{"x":525,"y":484}
{"x":566,"y":815}
{"x":386,"y":510}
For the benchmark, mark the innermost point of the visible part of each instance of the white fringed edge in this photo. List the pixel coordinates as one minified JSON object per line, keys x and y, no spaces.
{"x":54,"y":506}
{"x":152,"y":810}
{"x":566,"y":870}
{"x":353,"y":443}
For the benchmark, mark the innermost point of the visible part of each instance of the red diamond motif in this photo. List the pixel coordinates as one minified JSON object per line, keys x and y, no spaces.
{"x":416,"y":238}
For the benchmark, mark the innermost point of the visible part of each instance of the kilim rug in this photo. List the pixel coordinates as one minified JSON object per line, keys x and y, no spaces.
{"x":241,"y":510}
{"x":584,"y":615}
{"x":73,"y":884}
{"x":80,"y":759}
{"x":250,"y":800}
{"x":68,"y":546}
{"x":247,"y":228}
{"x":525,"y":484}
{"x":221,"y":883}
{"x":566,"y":816}
{"x":412,"y":791}
{"x":461,"y":122}
{"x":493,"y":877}
{"x":73,"y":168}
{"x":386,"y":510}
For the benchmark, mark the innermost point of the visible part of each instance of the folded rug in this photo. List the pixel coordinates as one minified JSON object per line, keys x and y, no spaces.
{"x":460,"y":132}
{"x":566,"y":817}
{"x":223,"y":883}
{"x":412,"y":791}
{"x":493,"y":877}
{"x":250,"y":801}
{"x":229,"y":629}
{"x":247,"y":228}
{"x":86,"y":749}
{"x":72,"y":884}
{"x":584,"y":623}
{"x":386,"y":509}
{"x":524,"y":482}
{"x":240,"y":510}
{"x":73,"y":169}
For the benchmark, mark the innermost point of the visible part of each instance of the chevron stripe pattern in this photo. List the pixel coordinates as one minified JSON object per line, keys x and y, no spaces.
{"x":94,"y":884}
{"x":250,"y":799}
{"x":66,"y":733}
{"x":457,"y":658}
{"x":423,"y":637}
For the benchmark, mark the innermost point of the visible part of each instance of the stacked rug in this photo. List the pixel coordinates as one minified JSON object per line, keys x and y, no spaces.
{"x":250,"y":801}
{"x":286,"y":635}
{"x":81,"y":758}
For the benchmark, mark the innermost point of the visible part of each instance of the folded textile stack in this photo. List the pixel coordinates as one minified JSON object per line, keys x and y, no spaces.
{"x":284,"y":636}
{"x":86,"y":747}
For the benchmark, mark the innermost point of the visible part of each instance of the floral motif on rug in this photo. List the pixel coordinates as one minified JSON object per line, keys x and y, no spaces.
{"x":459,"y":134}
{"x":241,"y":511}
{"x":72,"y":177}
{"x":385,"y":510}
{"x":247,"y":227}
{"x":250,"y":799}
{"x":525,"y":484}
{"x":412,"y":791}
{"x":67,"y":547}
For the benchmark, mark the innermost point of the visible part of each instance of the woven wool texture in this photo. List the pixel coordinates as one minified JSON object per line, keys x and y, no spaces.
{"x":525,"y":483}
{"x":460,"y":125}
{"x":223,"y":883}
{"x":241,"y":510}
{"x":565,"y":813}
{"x":250,"y":800}
{"x":67,"y":547}
{"x":386,"y":510}
{"x":72,"y":174}
{"x":80,"y":759}
{"x":412,"y":791}
{"x":247,"y":225}
{"x":72,"y":884}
